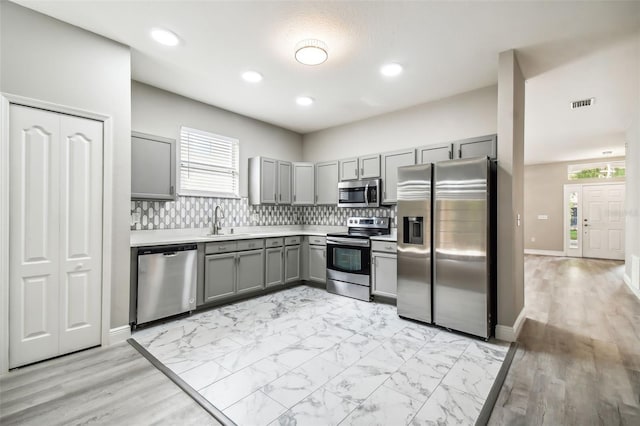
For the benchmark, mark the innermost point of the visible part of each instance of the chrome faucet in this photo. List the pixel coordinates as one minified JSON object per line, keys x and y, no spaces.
{"x":218,"y":213}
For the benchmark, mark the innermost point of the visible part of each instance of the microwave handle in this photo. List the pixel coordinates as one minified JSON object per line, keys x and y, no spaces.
{"x":366,"y":194}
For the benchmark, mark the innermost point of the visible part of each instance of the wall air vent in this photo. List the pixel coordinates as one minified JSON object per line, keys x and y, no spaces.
{"x":583,"y":103}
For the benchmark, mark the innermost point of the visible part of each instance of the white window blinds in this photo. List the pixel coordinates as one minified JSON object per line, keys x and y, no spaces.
{"x":209,"y":164}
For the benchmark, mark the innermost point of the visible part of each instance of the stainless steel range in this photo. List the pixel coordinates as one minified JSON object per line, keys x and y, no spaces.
{"x":349,"y":257}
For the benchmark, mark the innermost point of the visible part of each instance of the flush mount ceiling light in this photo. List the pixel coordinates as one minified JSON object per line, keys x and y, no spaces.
{"x":391,"y":70}
{"x":164,"y":37}
{"x":311,"y":52}
{"x":252,"y":76}
{"x":304,"y":100}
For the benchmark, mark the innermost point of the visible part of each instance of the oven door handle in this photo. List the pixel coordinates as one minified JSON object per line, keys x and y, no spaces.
{"x":348,"y":241}
{"x":366,"y":194}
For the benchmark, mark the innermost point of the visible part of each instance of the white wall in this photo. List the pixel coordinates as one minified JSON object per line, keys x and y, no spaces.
{"x":49,"y":60}
{"x":161,"y":113}
{"x":462,"y":116}
{"x":510,"y":262}
{"x":632,"y":194}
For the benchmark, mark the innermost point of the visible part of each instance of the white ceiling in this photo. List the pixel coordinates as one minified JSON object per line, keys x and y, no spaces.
{"x":445,"y":47}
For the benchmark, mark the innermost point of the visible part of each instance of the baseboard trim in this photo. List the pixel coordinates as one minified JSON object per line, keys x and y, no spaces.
{"x":627,"y":281}
{"x":119,"y":334}
{"x":545,"y":252}
{"x":511,"y":333}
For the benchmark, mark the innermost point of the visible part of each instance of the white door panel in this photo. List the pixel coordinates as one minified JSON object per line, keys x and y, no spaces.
{"x":81,"y":231}
{"x":55,"y":234}
{"x":33,"y":236}
{"x":603,"y":222}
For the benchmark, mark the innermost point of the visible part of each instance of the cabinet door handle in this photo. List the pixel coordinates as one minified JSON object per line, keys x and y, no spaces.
{"x":450,"y":155}
{"x":294,"y":198}
{"x":316,"y":198}
{"x":361,"y":171}
{"x":356,"y":172}
{"x":171,"y":189}
{"x":460,"y":153}
{"x":274,"y":196}
{"x":280,"y":197}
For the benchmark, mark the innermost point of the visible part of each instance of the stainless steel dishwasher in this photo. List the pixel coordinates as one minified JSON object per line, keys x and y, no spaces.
{"x":166,"y":281}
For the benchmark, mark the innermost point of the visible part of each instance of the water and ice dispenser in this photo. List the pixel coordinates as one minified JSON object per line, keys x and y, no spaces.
{"x":413,"y":230}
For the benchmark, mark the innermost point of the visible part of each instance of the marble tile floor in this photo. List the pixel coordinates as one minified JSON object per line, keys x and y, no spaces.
{"x":303,"y":356}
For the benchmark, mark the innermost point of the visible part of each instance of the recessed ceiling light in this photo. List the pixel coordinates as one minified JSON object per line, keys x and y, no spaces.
{"x":391,"y":70}
{"x":252,"y":76}
{"x":165,"y":37}
{"x":304,"y":100}
{"x":311,"y":52}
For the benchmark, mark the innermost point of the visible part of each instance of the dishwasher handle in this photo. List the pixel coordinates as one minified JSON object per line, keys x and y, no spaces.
{"x":167,"y":250}
{"x":170,"y":254}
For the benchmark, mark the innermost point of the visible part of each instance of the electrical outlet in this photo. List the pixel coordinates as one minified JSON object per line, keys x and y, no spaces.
{"x":135,"y":218}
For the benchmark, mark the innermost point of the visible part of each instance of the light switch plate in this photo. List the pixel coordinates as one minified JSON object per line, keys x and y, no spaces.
{"x":543,"y":217}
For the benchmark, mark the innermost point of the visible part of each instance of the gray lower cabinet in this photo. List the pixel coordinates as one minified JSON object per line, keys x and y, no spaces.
{"x":219,"y":276}
{"x":384,"y":277}
{"x":233,"y":272}
{"x":292,"y":263}
{"x":384,"y":268}
{"x":318,"y":263}
{"x":274,"y":262}
{"x":249,"y":275}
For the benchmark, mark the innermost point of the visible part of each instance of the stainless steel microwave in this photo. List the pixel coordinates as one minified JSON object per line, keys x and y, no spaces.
{"x":359,"y":193}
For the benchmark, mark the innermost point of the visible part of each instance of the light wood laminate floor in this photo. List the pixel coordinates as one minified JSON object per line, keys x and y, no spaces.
{"x":113,"y":385}
{"x":578,"y":362}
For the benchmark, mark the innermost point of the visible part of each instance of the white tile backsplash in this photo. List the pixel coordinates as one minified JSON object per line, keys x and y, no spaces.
{"x":196,"y":212}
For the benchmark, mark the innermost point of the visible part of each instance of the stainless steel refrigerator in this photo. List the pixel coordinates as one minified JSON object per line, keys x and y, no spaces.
{"x":450,"y":283}
{"x":414,"y":241}
{"x":464,"y":224}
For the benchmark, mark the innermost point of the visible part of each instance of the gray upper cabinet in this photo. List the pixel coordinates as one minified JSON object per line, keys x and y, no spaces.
{"x":270,"y":181}
{"x":349,"y":169}
{"x":369,"y":167}
{"x":284,"y":182}
{"x":303,"y":183}
{"x":390,"y":163}
{"x":327,"y":182}
{"x":365,"y":167}
{"x":477,"y":147}
{"x":434,"y":153}
{"x":153,"y":167}
{"x":263,"y":184}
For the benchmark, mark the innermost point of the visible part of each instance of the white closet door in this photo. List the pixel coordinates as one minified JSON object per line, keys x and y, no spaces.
{"x":55,"y":234}
{"x":34,"y":235}
{"x":80,"y":232}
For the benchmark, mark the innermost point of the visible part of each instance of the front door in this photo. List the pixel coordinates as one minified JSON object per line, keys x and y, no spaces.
{"x":603,"y":221}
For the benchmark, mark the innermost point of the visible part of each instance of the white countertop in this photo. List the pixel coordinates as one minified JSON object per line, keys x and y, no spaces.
{"x":200,"y":235}
{"x":391,"y":237}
